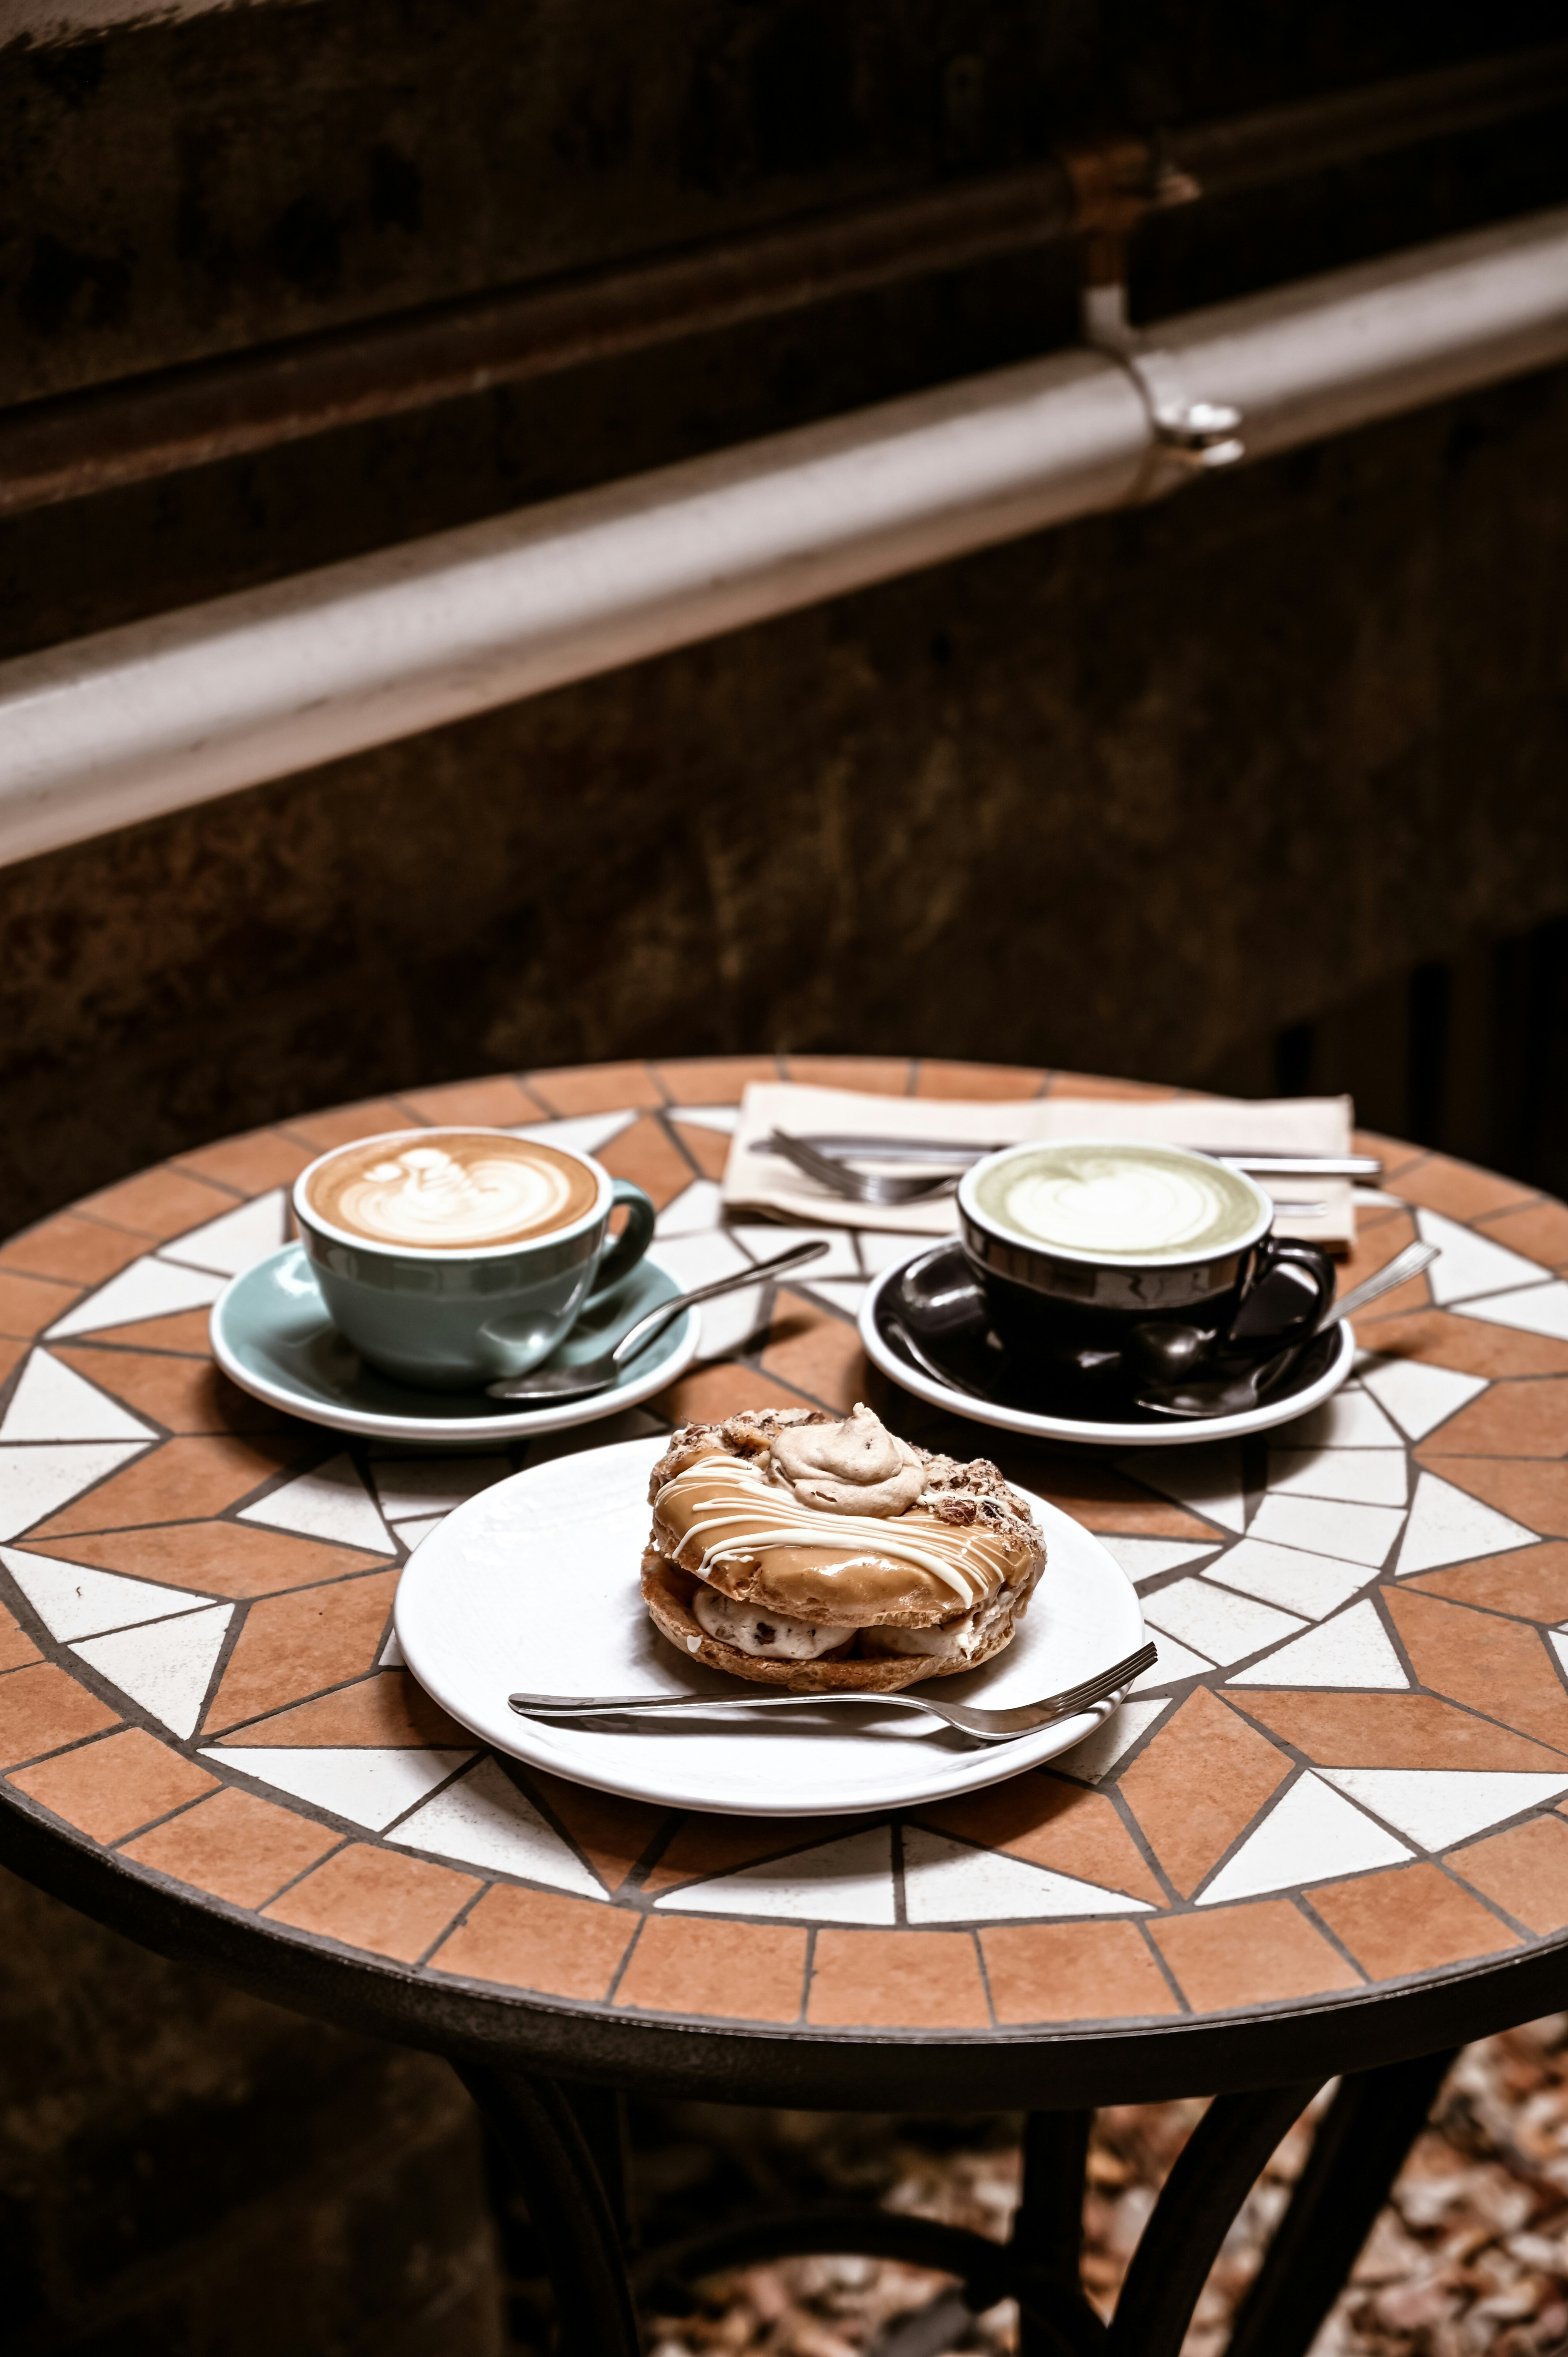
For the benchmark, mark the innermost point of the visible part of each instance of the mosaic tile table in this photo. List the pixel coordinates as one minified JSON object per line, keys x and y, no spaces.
{"x":1330,"y":1833}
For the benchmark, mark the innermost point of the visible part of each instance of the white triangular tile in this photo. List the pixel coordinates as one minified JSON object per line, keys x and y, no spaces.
{"x":841,"y":1293}
{"x":1351,"y":1419}
{"x":948,"y":1882}
{"x":1364,"y":1477}
{"x":1542,"y":1309}
{"x":1216,"y":1620}
{"x":1312,"y":1584}
{"x":168,"y":1667}
{"x":1098,"y":1753}
{"x":1437,"y":1806}
{"x":1447,"y":1526}
{"x":847,"y":1881}
{"x":880,"y":1249}
{"x":1470,"y":1264}
{"x":1329,"y":1526}
{"x":723,"y":1118}
{"x":586,"y":1133}
{"x":1205,"y":1478}
{"x":729,"y":1323}
{"x":1144,"y":1559}
{"x":695,"y":1213}
{"x":766,"y":1242}
{"x":391,"y":1655}
{"x":368,"y":1786}
{"x":331,"y":1503}
{"x":413,"y":1533}
{"x":1352,"y":1650}
{"x":37,"y":1478}
{"x":1419,"y":1397}
{"x":409,"y":1486}
{"x":484,"y":1820}
{"x":236,"y":1239}
{"x":1175,"y":1662}
{"x":72,"y":1601}
{"x":148,"y":1289}
{"x":52,"y":1401}
{"x":1309,"y":1834}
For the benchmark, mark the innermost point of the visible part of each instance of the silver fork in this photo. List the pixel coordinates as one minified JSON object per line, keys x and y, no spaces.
{"x":986,"y":1726}
{"x":887,"y":1190}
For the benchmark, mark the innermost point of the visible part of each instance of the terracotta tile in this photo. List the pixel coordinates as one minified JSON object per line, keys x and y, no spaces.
{"x":238,"y":1847}
{"x":1200,"y":1780}
{"x":1410,"y":1918}
{"x":1538,"y":1231}
{"x":497,"y":1103}
{"x":612,"y":1834}
{"x":41,"y":1708}
{"x":12,"y":1353}
{"x":1524,"y":1871}
{"x":1258,"y":1955}
{"x":537,"y":1940}
{"x":713,"y":1080}
{"x":1493,"y":1665}
{"x":1376,"y":1244}
{"x":28,"y":1304}
{"x":182,"y":1481}
{"x":1103,"y":1501}
{"x":251,"y":1165}
{"x":1056,"y":1825}
{"x":708,"y":1148}
{"x":710,"y":1393}
{"x":817,"y":1352}
{"x":979,"y":1083}
{"x":237,"y":1559}
{"x":1519,"y":1419}
{"x":108,"y":1789}
{"x":183,"y":1395}
{"x":1097,"y":1085}
{"x":185,"y":1330}
{"x":16,"y":1645}
{"x":1460,"y":1189}
{"x":872,"y":1076}
{"x":1438,"y":1339}
{"x":896,"y":1980}
{"x":1532,"y":1584}
{"x":593,"y":1088}
{"x":391,"y":1709}
{"x":159,"y":1203}
{"x":1396,"y":1153}
{"x":1532,"y":1492}
{"x":716,"y":1844}
{"x":732,"y":1972}
{"x":649,"y":1157}
{"x":78,"y":1252}
{"x":376,"y":1898}
{"x":342,"y":1123}
{"x":295,"y":1645}
{"x":1072,"y":1971}
{"x":1389,"y":1730}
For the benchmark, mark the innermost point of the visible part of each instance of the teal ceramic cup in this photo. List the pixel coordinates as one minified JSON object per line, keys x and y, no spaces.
{"x":455,"y":1317}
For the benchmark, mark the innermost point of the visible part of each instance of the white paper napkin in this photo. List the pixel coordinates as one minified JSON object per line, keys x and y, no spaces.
{"x":756,"y":1181}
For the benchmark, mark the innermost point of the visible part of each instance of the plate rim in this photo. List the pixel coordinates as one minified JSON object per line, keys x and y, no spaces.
{"x":456,"y":1432}
{"x":992,"y":1766}
{"x":1086,"y":1432}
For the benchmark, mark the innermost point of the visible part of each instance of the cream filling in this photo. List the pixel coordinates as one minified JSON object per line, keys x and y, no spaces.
{"x":957,"y":1640}
{"x":768,"y":1636}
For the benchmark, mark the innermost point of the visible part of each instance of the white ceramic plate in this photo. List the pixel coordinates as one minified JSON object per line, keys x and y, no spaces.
{"x":1109,"y":1435}
{"x":533,"y":1584}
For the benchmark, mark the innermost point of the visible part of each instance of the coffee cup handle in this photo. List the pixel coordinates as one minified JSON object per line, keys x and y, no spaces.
{"x":1296,"y":1254}
{"x":630,"y":1244}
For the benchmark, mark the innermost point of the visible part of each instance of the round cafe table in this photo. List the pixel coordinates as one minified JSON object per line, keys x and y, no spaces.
{"x":1330,"y":1840}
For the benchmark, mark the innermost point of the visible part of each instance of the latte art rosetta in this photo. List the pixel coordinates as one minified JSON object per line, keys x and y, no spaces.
{"x":453,"y":1192}
{"x":1116,"y":1202}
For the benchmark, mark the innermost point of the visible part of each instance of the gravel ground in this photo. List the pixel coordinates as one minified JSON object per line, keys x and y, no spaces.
{"x":1470,"y":2256}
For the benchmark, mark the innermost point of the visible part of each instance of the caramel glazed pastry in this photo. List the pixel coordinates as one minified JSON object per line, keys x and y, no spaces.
{"x":800,"y":1551}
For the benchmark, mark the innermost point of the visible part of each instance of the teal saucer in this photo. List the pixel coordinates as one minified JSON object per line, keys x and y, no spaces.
{"x":271,"y":1336}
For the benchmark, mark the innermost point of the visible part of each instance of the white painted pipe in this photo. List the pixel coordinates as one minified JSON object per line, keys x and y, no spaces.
{"x":158,"y":714}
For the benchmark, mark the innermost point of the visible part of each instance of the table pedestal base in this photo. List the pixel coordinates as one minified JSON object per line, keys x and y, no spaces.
{"x":567,"y":2148}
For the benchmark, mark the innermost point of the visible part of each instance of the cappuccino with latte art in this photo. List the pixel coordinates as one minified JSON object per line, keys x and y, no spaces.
{"x":454,"y":1191}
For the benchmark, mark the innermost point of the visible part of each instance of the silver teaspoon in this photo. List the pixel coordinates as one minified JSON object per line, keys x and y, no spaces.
{"x":550,"y":1386}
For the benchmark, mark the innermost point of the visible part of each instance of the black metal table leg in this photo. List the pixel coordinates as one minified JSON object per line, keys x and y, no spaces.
{"x":1356,"y":2155}
{"x":1047,"y":2241}
{"x":572,"y":2214}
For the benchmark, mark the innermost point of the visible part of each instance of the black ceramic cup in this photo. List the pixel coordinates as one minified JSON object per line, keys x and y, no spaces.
{"x":1105,"y":1262}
